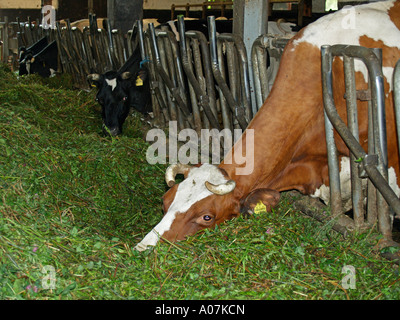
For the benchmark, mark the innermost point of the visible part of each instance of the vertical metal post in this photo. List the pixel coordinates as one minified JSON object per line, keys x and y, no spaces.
{"x":237,"y":110}
{"x":5,"y":40}
{"x":333,"y":165}
{"x":396,"y":92}
{"x":379,"y":119}
{"x":250,"y":21}
{"x":352,"y":122}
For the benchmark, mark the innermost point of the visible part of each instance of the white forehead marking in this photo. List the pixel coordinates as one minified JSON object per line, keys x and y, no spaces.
{"x":346,"y":26}
{"x":190,"y":191}
{"x":112,"y":83}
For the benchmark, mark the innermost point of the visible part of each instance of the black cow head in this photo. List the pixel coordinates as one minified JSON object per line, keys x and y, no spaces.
{"x":117,"y":92}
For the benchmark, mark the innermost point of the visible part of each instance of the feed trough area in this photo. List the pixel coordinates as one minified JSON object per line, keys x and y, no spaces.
{"x":156,"y":164}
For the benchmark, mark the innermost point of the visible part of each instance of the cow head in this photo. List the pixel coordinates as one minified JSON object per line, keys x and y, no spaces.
{"x":25,"y":60}
{"x":113,"y":96}
{"x":117,"y":92}
{"x":205,"y":197}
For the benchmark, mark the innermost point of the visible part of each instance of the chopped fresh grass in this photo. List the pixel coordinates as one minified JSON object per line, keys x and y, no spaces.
{"x":74,"y":203}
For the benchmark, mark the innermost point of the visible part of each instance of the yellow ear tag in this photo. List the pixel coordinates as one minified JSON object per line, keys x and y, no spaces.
{"x":139,"y":81}
{"x":260,"y":208}
{"x":93,"y":85}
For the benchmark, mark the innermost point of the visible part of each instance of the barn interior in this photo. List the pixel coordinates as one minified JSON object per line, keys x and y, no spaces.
{"x":250,"y":22}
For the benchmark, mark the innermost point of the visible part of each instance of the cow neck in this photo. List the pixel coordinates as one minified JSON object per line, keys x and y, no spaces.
{"x":280,"y":124}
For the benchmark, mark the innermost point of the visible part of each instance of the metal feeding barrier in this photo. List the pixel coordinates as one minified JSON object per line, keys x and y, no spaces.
{"x":200,"y":83}
{"x":264,"y":47}
{"x":91,"y":50}
{"x":372,"y":165}
{"x":196,"y":81}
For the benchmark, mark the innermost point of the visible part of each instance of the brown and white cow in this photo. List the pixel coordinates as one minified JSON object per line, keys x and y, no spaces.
{"x":289,"y":144}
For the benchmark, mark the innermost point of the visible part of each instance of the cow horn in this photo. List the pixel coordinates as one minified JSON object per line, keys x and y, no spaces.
{"x":173,"y":170}
{"x":93,"y":77}
{"x":126,"y":75}
{"x":221,"y":189}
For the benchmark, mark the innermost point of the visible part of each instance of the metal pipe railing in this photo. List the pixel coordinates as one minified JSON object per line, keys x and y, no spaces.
{"x":238,"y":111}
{"x":173,"y":89}
{"x":201,"y":94}
{"x":373,"y":164}
{"x":264,"y":47}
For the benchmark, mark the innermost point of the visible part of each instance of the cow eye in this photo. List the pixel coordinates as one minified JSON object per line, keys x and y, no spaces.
{"x":124,"y":98}
{"x":205,"y":220}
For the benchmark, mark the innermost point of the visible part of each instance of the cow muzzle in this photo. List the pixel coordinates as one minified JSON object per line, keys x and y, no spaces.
{"x":111,"y":131}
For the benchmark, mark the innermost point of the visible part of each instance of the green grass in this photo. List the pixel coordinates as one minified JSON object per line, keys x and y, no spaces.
{"x":79,"y":202}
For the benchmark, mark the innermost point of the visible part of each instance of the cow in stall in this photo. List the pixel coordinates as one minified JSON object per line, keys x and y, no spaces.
{"x":118,"y":91}
{"x":40,"y":58}
{"x":26,"y":54}
{"x":289,"y":149}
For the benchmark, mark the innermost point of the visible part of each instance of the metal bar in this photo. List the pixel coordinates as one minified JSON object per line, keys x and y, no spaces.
{"x":172,"y":88}
{"x":396,"y":92}
{"x":352,"y":121}
{"x":192,"y":94}
{"x":156,"y":97}
{"x":205,"y":65}
{"x":118,"y":48}
{"x":257,"y":75}
{"x":373,"y":173}
{"x":93,"y":42}
{"x":230,"y":121}
{"x":379,"y":118}
{"x":237,"y":110}
{"x":6,"y":50}
{"x":111,"y":47}
{"x":200,"y":93}
{"x":372,"y":209}
{"x":244,"y":70}
{"x":167,"y":95}
{"x":333,"y":165}
{"x":87,"y":49}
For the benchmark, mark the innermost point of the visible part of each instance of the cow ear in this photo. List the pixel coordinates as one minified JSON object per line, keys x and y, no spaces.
{"x":126,"y":75}
{"x":94,"y":79}
{"x":259,"y":200}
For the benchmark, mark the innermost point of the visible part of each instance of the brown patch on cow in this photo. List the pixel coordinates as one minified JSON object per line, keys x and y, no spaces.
{"x":390,"y":54}
{"x":169,"y":197}
{"x":394,"y":14}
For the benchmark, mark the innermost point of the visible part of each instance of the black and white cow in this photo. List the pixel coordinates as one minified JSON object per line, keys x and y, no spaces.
{"x":118,"y":91}
{"x":40,"y":58}
{"x":30,"y":51}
